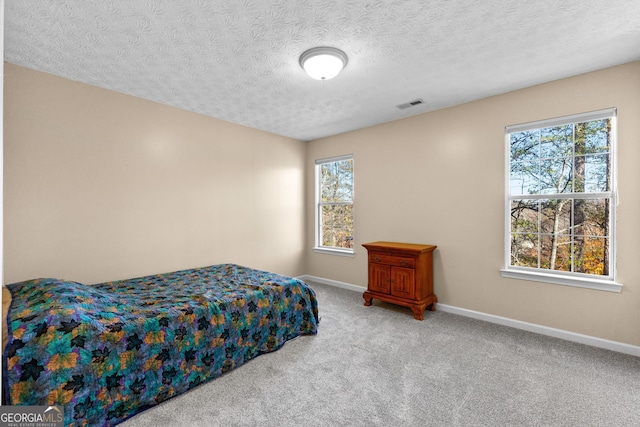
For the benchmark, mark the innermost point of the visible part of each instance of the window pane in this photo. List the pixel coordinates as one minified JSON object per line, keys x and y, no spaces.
{"x":593,"y":137}
{"x":337,"y":225}
{"x":555,"y":176}
{"x":327,"y":236}
{"x":524,"y":178}
{"x":556,"y":141}
{"x":555,"y":252}
{"x":337,"y":237}
{"x":327,"y":216}
{"x":336,"y":181}
{"x":524,"y":250}
{"x":592,"y":173}
{"x":525,"y":145}
{"x":555,"y":216}
{"x":592,"y":217}
{"x":591,"y":255}
{"x":586,"y":240}
{"x":524,"y":216}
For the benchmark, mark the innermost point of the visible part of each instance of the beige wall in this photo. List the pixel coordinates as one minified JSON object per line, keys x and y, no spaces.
{"x":438,"y":178}
{"x":101,"y":186}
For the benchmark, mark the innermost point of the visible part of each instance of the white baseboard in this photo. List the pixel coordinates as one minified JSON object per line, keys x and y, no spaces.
{"x":333,"y":283}
{"x":619,"y":347}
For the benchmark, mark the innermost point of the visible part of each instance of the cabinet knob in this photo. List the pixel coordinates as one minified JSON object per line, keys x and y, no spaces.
{"x":403,"y":263}
{"x":376,"y":259}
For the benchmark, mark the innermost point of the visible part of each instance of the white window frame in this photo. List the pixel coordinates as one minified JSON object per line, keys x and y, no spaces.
{"x":604,"y":283}
{"x":317,"y":206}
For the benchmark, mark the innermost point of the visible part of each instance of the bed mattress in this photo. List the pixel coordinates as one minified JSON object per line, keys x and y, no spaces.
{"x":108,"y":351}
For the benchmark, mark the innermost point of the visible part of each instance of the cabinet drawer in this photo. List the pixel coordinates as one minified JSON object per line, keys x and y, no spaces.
{"x":394,"y":260}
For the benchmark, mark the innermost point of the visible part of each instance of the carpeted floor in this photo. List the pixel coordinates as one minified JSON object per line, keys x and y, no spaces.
{"x":377,"y":366}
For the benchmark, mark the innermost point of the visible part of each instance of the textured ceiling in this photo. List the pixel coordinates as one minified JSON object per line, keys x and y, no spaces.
{"x":237,"y":60}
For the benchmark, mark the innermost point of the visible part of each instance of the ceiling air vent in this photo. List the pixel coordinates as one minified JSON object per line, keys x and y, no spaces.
{"x":410,"y":104}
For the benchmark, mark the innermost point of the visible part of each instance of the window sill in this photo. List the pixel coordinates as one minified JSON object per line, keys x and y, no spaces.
{"x":557,"y":279}
{"x":331,"y":251}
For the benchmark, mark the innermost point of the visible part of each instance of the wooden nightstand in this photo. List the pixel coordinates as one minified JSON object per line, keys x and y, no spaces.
{"x":401,"y":273}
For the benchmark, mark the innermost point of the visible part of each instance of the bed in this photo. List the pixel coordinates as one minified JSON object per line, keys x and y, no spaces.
{"x":109,"y":351}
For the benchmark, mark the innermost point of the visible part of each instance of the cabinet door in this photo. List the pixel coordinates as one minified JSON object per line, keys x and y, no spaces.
{"x":403,"y":282}
{"x":379,"y":278}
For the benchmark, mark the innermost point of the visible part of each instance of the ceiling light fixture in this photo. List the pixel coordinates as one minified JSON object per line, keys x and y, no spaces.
{"x":323,"y":63}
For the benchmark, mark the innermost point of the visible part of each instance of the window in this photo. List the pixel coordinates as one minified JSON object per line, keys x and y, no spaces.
{"x":560,"y":209}
{"x":334,"y":205}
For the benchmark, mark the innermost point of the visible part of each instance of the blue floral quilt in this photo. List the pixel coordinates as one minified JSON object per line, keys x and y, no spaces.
{"x":109,"y":351}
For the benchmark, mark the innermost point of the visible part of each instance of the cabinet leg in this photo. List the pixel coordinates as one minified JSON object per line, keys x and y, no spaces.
{"x":432,"y":307}
{"x":418,"y":311}
{"x":367,"y":299}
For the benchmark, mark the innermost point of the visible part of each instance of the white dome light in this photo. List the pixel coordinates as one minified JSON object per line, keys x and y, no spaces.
{"x":323,"y":63}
